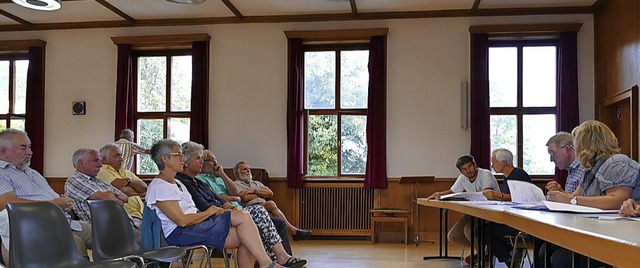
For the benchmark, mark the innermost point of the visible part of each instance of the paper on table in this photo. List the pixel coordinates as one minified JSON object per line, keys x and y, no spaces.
{"x":557,"y":206}
{"x":617,"y":218}
{"x":470,"y":196}
{"x":525,"y":192}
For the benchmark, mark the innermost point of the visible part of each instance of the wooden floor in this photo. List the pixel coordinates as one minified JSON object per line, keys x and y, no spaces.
{"x":361,"y":254}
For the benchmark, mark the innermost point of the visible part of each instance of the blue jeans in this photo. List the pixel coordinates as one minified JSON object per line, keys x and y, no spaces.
{"x":210,"y":232}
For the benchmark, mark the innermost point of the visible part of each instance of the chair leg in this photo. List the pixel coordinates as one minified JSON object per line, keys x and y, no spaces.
{"x":226,"y":258}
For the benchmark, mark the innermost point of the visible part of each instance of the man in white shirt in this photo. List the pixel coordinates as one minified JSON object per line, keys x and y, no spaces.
{"x":471,"y":179}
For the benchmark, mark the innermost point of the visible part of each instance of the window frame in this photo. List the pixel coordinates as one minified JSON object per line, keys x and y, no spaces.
{"x":12,"y":58}
{"x":519,"y":110}
{"x":337,"y":111}
{"x":168,"y":113}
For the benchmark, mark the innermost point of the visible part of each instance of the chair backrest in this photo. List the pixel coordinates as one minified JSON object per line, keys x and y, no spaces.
{"x":40,"y":236}
{"x":112,"y":235}
{"x":258,"y":174}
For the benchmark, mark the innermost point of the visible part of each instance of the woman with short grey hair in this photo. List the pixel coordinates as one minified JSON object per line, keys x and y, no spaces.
{"x":184,"y":225}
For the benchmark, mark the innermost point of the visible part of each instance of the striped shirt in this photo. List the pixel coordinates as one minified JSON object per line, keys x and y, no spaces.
{"x":27,"y":184}
{"x":129,"y":150}
{"x":80,"y":187}
{"x":576,"y":172}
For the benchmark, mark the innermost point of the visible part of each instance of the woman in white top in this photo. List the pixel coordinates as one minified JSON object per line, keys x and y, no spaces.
{"x":183,"y":224}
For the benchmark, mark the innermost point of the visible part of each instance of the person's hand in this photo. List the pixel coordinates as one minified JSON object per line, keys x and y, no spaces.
{"x":218,"y":170}
{"x":490,"y":194}
{"x":435,"y":195}
{"x":63,"y":202}
{"x":630,"y":208}
{"x":558,"y":196}
{"x":554,"y":186}
{"x":215,"y":210}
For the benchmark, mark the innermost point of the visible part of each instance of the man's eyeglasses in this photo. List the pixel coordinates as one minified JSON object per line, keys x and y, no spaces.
{"x":553,"y":152}
{"x":210,"y":160}
{"x":175,"y":154}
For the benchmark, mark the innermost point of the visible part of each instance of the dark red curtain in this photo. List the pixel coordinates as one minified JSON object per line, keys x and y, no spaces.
{"x":480,"y":138}
{"x":200,"y":93}
{"x":125,"y":107}
{"x":376,"y":170}
{"x":34,"y":118}
{"x":295,"y":113}
{"x":567,"y":89}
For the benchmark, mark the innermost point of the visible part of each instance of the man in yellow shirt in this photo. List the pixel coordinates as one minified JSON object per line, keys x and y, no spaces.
{"x":126,"y":181}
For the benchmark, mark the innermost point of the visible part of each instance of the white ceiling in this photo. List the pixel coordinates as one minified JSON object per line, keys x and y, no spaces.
{"x":131,"y":13}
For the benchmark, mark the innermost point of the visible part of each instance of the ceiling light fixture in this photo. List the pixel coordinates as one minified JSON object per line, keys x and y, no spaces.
{"x":46,"y":5}
{"x":188,"y":2}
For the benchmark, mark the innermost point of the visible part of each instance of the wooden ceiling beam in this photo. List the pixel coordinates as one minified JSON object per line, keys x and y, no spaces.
{"x":354,"y":8}
{"x":117,"y":11}
{"x":233,"y":9}
{"x":301,"y":18}
{"x":476,"y":4}
{"x":16,"y":18}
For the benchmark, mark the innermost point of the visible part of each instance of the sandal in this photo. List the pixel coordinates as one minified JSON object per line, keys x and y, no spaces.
{"x":294,"y":262}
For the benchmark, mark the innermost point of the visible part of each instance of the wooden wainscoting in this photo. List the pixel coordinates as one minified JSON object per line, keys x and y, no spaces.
{"x":396,"y":195}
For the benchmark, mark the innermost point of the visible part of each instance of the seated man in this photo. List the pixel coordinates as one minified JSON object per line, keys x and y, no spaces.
{"x":213,"y":176}
{"x":471,"y":179}
{"x":83,"y":185}
{"x":21,"y":184}
{"x":254,"y":193}
{"x":502,"y":162}
{"x":112,"y":172}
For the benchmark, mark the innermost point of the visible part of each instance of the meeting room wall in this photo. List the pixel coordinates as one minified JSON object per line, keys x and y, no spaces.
{"x":428,"y":59}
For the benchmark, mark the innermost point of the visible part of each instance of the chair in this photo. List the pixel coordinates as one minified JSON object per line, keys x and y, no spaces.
{"x":41,"y":237}
{"x":153,"y":237}
{"x":112,"y":236}
{"x":520,"y":241}
{"x":389,"y":215}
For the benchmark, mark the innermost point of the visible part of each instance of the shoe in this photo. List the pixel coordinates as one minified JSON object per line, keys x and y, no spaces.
{"x":301,"y":234}
{"x":294,"y":262}
{"x":467,"y":260}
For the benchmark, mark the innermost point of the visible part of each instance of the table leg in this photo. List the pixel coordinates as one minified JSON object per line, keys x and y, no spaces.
{"x":444,"y":216}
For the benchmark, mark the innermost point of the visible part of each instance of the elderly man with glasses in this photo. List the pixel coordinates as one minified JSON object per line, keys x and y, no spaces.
{"x":561,"y":152}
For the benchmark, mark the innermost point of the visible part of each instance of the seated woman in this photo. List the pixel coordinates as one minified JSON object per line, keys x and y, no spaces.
{"x":611,"y":176}
{"x":204,"y":198}
{"x":183,"y":224}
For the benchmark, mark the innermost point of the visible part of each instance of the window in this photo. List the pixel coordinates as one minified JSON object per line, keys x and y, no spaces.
{"x":162,"y":100}
{"x":336,"y":81}
{"x":522,"y":100}
{"x":13,"y":91}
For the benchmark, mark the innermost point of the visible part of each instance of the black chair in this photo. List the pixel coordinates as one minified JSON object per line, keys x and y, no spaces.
{"x":41,"y":237}
{"x":112,"y":236}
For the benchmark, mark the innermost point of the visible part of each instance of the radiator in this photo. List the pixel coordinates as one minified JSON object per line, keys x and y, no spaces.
{"x":336,"y":208}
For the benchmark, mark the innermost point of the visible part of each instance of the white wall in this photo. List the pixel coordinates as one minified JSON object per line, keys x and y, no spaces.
{"x":427,"y":61}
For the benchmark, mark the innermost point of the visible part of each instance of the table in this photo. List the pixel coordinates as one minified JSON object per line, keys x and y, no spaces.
{"x":614,"y":242}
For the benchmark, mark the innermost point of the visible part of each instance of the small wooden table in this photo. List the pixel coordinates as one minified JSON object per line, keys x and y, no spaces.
{"x":389,"y":215}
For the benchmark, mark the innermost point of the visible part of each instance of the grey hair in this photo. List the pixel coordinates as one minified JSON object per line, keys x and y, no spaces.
{"x":106,"y":149}
{"x":561,"y":139}
{"x":190,"y":149}
{"x":236,"y":168}
{"x":80,"y":153}
{"x":7,"y":135}
{"x":502,"y":155}
{"x":160,"y":148}
{"x":125,"y":133}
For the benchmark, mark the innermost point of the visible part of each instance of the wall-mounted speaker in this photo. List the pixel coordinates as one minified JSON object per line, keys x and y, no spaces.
{"x":78,"y":108}
{"x":464,"y":105}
